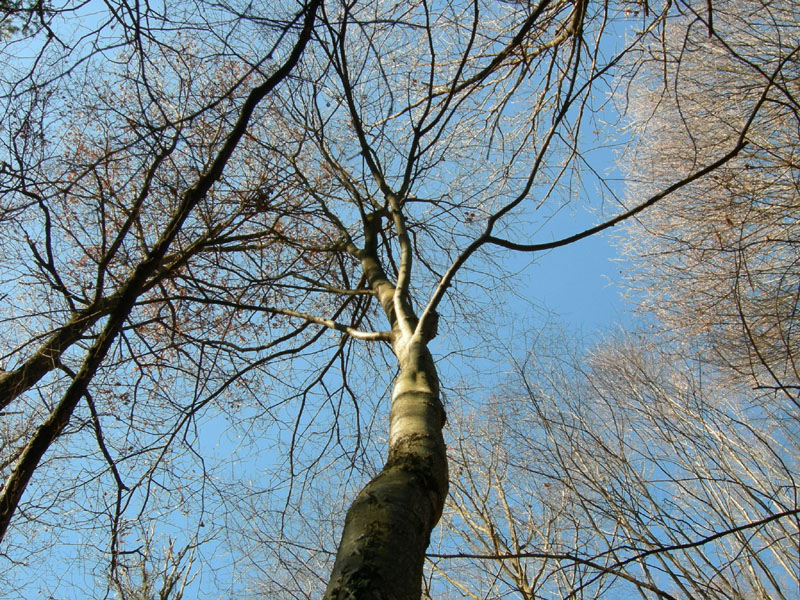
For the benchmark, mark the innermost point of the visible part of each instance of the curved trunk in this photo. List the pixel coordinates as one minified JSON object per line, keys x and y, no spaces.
{"x":388,"y":526}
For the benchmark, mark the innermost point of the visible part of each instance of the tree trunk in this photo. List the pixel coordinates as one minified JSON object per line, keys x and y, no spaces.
{"x":388,"y":526}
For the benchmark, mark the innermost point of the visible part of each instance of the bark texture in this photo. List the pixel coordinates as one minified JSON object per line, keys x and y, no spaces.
{"x":13,"y":383}
{"x":388,"y":526}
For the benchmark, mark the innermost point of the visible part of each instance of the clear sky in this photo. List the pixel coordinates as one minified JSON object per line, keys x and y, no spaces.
{"x":580,"y":283}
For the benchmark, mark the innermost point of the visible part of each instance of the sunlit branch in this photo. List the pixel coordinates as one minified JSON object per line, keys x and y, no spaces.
{"x":331,"y":324}
{"x":695,"y":544}
{"x":573,"y":558}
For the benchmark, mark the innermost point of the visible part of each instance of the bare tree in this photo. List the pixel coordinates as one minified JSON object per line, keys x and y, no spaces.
{"x":149,"y":573}
{"x":664,"y":463}
{"x":637,"y":470}
{"x":103,"y":185}
{"x":720,"y":260}
{"x":217,"y":215}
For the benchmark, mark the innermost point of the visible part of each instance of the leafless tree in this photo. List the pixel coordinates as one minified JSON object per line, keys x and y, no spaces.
{"x":720,"y":260}
{"x":220,"y":214}
{"x":149,"y":573}
{"x":118,"y":135}
{"x":664,"y":462}
{"x":637,"y":470}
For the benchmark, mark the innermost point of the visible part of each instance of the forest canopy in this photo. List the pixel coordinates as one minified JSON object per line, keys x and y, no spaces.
{"x":266,"y":328}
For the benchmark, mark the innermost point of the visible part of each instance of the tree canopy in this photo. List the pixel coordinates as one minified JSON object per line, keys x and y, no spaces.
{"x":253,"y":256}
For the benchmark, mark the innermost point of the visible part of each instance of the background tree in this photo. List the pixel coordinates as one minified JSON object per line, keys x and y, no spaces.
{"x":155,"y":573}
{"x":720,"y":260}
{"x":102,"y":184}
{"x":662,"y":462}
{"x":634,"y":471}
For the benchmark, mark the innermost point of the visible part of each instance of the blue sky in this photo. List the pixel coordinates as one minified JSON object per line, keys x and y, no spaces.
{"x":579,"y":283}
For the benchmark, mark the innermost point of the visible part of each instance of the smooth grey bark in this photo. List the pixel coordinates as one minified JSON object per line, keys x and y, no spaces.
{"x":388,"y":525}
